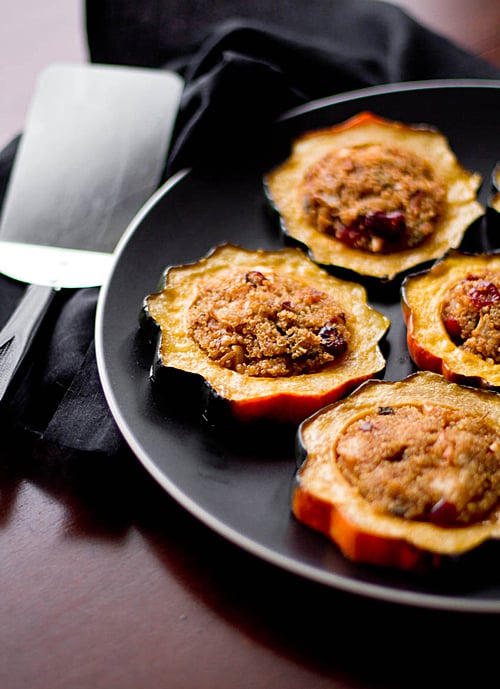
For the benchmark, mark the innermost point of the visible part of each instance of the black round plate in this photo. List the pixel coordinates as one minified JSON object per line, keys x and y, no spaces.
{"x":241,"y":487}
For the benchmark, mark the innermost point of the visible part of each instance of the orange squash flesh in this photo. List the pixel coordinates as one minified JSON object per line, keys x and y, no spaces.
{"x":355,"y":544}
{"x":429,"y":344}
{"x":283,"y":184}
{"x":324,"y":500}
{"x":285,"y":399}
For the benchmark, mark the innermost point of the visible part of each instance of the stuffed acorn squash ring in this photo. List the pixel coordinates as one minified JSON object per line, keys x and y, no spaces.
{"x":272,"y":335}
{"x":452,"y":315}
{"x":403,"y":473}
{"x":374,"y":196}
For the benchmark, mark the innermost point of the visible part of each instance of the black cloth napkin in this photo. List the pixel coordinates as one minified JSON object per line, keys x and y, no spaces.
{"x":243,"y":63}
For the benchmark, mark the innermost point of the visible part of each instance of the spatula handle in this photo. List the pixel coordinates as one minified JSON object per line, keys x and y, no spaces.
{"x":17,"y":335}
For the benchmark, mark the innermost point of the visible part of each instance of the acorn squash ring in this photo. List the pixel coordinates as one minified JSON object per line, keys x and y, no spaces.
{"x":284,"y":189}
{"x":287,"y":398}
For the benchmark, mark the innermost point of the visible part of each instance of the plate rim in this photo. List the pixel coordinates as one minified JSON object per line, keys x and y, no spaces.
{"x":380,"y":89}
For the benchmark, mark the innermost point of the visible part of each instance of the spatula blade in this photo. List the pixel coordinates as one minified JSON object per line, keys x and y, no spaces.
{"x":92,"y":152}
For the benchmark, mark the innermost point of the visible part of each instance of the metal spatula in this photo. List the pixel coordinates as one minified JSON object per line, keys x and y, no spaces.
{"x":92,"y":152}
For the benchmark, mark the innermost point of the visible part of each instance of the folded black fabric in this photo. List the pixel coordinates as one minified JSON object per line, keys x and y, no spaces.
{"x":243,"y":63}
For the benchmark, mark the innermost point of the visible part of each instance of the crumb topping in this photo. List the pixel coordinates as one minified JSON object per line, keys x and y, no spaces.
{"x":471,"y":315}
{"x":267,"y":325}
{"x":373,"y":197}
{"x":429,"y":463}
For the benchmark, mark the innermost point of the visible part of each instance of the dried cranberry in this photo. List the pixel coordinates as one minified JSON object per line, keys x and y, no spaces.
{"x":443,"y":513}
{"x":484,"y":293}
{"x":254,"y":277}
{"x":350,"y":236}
{"x":453,"y":327}
{"x":332,"y":340}
{"x":389,"y":225}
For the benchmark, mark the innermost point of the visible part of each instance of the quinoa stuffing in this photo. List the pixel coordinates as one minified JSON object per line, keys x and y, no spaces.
{"x":471,"y":315}
{"x":373,"y":197}
{"x":267,"y":325}
{"x":423,"y":462}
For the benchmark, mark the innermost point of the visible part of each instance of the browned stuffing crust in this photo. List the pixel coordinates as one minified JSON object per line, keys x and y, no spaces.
{"x":471,"y":315}
{"x":267,"y":325}
{"x":373,"y":197}
{"x":426,"y":462}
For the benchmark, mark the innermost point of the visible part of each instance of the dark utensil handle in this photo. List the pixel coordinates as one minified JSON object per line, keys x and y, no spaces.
{"x":17,"y":335}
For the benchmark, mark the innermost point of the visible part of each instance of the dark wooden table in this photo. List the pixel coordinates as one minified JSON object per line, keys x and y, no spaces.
{"x":106,"y":583}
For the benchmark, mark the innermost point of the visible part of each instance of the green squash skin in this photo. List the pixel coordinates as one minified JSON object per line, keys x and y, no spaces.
{"x":164,"y":379}
{"x":188,"y":386}
{"x":495,"y":178}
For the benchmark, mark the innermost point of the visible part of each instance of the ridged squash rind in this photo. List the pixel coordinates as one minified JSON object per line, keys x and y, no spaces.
{"x":429,"y":345}
{"x":324,"y":500}
{"x":284,"y":399}
{"x":282,"y":188}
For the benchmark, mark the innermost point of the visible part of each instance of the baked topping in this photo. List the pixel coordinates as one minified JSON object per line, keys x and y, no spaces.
{"x":471,"y":315}
{"x":373,"y":197}
{"x":428,"y":462}
{"x":267,"y":325}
